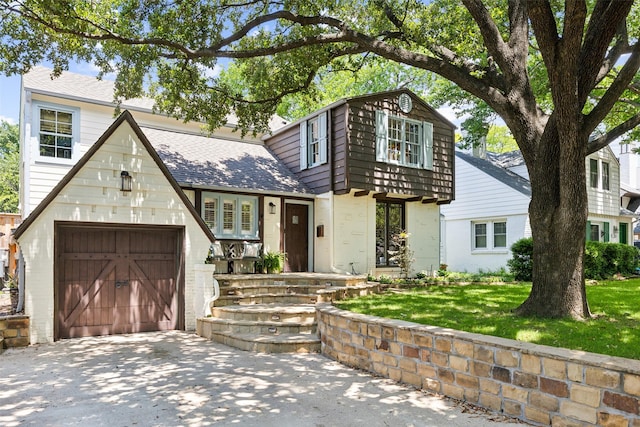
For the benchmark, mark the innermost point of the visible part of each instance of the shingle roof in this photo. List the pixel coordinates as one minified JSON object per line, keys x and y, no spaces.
{"x":82,"y":87}
{"x":78,"y":86}
{"x":506,"y":160}
{"x":503,"y":175}
{"x":213,"y":162}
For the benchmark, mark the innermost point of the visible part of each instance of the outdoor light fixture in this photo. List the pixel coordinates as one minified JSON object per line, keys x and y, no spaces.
{"x":125,"y":181}
{"x":272,"y":208}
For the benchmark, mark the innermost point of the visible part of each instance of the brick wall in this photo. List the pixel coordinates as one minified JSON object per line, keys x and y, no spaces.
{"x":15,"y":330}
{"x":538,"y":384}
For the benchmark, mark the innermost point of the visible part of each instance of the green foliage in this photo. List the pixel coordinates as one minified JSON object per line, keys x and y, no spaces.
{"x":9,"y":167}
{"x":273,"y":261}
{"x":604,"y":260}
{"x":403,"y":256}
{"x":500,"y":140}
{"x":601,"y":260}
{"x":521,"y":264}
{"x":488,"y":309}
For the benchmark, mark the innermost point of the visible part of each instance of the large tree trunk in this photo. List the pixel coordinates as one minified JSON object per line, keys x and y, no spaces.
{"x":558,"y":215}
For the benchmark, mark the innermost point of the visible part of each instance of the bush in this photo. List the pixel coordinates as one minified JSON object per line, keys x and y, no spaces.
{"x":521,"y":265}
{"x":601,"y":260}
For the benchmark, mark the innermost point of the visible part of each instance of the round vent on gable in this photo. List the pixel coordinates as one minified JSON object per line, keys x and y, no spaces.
{"x":405,"y":103}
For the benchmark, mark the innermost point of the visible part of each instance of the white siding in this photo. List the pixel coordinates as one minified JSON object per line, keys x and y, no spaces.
{"x":604,"y":202}
{"x":481,"y":198}
{"x":93,"y":195}
{"x":94,"y":120}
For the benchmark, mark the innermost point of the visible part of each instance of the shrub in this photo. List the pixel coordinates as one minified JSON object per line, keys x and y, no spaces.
{"x":601,"y":260}
{"x":521,"y":265}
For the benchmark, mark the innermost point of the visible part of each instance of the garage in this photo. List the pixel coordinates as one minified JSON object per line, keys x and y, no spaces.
{"x":118,"y":279}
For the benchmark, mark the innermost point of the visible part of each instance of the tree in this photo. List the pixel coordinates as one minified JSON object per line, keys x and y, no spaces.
{"x":9,"y":167}
{"x":563,"y":76}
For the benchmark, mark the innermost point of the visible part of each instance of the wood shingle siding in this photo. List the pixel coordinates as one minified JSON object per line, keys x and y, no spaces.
{"x":352,"y":163}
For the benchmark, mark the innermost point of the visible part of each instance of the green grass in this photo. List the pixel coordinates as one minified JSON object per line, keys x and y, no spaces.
{"x":487,"y":309}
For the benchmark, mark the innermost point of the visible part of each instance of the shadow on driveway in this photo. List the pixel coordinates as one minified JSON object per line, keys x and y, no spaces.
{"x":179,"y":379}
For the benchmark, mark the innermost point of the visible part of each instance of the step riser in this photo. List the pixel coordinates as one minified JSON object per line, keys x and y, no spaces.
{"x":269,"y":290}
{"x":266,"y":299}
{"x":264,"y":330}
{"x":283,"y":318}
{"x":262,"y":347}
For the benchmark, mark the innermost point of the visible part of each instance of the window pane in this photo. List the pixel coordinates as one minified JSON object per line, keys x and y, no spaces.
{"x":595,"y":233}
{"x":593,"y":173}
{"x":210,"y":212}
{"x":64,"y":123}
{"x":500,"y":234}
{"x":228,"y":216}
{"x":389,"y":222}
{"x":63,"y":153}
{"x":412,"y":143}
{"x":605,"y":176}
{"x":394,"y":147}
{"x":394,"y":227}
{"x":247,"y":217}
{"x":480,"y":235}
{"x":381,"y":241}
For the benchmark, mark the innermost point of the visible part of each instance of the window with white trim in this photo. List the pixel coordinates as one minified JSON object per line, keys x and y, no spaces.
{"x":230,"y":216}
{"x":313,"y":141}
{"x":489,"y":235}
{"x":403,"y":141}
{"x":56,"y":129}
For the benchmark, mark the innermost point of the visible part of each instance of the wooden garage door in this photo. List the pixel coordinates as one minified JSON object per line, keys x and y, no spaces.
{"x":114,"y":281}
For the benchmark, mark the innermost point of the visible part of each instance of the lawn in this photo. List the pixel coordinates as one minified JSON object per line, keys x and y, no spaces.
{"x":486,"y":309}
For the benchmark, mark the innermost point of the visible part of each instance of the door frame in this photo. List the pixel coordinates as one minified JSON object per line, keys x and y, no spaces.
{"x":180,"y":260}
{"x":310,"y":228}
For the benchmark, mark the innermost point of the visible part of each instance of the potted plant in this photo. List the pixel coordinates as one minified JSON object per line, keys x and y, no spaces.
{"x":272,"y":261}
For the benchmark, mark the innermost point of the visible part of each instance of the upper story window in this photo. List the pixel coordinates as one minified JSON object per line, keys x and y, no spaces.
{"x":56,"y":129}
{"x":404,"y":141}
{"x":593,"y":173}
{"x":313,"y":141}
{"x":230,"y":216}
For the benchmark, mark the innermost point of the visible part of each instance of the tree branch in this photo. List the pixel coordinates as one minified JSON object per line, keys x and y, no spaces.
{"x":604,"y":24}
{"x":615,"y":90}
{"x":613,"y":134}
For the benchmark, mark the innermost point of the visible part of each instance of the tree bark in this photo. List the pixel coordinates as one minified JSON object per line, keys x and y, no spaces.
{"x":558,"y":216}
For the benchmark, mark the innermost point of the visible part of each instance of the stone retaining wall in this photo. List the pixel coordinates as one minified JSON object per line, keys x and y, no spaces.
{"x":15,"y":330}
{"x":538,"y":384}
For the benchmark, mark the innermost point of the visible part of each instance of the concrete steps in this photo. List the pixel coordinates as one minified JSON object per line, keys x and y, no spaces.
{"x":275,"y":313}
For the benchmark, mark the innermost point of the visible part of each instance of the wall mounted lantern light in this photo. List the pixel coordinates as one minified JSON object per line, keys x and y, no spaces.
{"x":125,"y":182}
{"x":272,"y":208}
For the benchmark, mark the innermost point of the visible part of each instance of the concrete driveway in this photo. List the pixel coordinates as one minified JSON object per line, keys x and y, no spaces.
{"x":179,"y":379}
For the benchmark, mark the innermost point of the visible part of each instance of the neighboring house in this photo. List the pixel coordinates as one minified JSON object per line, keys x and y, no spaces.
{"x":330,"y":191}
{"x":490,"y":212}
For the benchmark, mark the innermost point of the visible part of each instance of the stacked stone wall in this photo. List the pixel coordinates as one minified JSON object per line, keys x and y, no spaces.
{"x":538,"y":384}
{"x":15,"y":330}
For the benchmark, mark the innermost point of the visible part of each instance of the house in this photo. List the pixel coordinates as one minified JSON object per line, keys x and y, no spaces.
{"x":490,"y":212}
{"x":118,"y":211}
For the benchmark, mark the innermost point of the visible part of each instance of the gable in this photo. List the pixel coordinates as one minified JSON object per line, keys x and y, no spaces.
{"x":90,"y":191}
